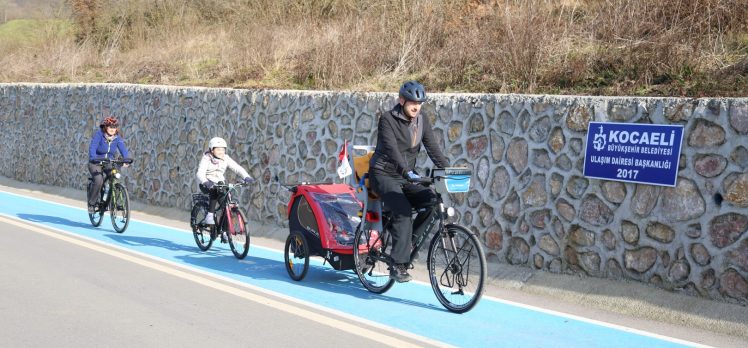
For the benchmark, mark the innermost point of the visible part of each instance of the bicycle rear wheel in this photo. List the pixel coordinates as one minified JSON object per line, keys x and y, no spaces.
{"x":296,"y":255}
{"x":238,"y":234}
{"x":98,"y":215}
{"x":202,"y":233}
{"x":457,"y":268}
{"x":119,"y":208}
{"x":369,"y":247}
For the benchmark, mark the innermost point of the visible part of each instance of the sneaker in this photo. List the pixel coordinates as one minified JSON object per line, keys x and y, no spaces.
{"x":209,"y":219}
{"x":400,"y":273}
{"x":224,"y":238}
{"x":91,"y":209}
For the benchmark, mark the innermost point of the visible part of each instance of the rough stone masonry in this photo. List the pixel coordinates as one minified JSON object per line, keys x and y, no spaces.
{"x":529,"y":202}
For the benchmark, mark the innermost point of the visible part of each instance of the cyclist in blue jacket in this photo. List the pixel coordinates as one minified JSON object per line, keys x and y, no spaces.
{"x":105,"y":144}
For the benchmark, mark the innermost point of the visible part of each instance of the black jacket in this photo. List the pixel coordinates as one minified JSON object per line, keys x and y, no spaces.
{"x":397,"y":151}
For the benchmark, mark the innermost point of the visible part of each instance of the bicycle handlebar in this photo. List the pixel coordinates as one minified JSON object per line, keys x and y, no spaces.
{"x":107,"y":160}
{"x":429,"y":180}
{"x":229,"y":185}
{"x":424,"y":181}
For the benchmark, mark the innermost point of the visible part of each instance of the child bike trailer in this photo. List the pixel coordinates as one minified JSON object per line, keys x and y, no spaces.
{"x":322,"y":221}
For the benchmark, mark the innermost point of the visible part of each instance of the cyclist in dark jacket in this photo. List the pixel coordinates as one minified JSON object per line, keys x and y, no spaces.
{"x":104,"y":144}
{"x":400,"y":135}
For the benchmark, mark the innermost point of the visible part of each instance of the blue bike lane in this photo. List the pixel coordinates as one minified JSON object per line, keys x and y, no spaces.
{"x":410,"y":307}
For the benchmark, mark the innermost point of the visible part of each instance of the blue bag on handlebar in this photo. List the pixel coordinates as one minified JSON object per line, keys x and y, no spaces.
{"x":452,"y":179}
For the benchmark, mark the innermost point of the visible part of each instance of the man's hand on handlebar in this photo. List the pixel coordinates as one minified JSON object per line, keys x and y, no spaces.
{"x":417,"y":179}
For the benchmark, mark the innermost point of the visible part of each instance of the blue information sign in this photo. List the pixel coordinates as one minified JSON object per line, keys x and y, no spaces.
{"x":632,"y":152}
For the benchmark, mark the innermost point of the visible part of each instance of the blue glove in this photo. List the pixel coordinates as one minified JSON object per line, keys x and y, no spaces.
{"x":413,"y":176}
{"x":208,"y":184}
{"x":248,"y":180}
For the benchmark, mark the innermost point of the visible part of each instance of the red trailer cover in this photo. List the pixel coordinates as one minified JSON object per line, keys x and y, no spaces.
{"x":335,"y":210}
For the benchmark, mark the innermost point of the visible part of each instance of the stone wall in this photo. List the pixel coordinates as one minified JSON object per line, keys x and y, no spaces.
{"x":530,"y":203}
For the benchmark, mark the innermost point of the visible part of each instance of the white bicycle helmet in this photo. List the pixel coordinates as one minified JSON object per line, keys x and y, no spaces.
{"x":217,"y":142}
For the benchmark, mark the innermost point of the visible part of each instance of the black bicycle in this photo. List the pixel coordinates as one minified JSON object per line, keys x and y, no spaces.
{"x":113,"y":195}
{"x":232,"y":221}
{"x":456,"y":261}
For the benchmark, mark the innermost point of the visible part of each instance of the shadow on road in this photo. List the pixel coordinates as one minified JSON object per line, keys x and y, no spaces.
{"x":55,"y":220}
{"x":323,"y":278}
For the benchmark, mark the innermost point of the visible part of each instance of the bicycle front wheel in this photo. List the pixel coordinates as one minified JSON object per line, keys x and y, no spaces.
{"x":119,"y":208}
{"x":238,"y":234}
{"x":370,"y":248}
{"x":98,"y":215}
{"x":457,"y":268}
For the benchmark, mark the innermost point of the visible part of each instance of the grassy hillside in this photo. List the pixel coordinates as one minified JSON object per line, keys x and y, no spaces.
{"x":607,"y":47}
{"x":34,"y":31}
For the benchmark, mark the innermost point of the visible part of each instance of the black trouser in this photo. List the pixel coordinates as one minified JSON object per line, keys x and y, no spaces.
{"x":399,"y":197}
{"x":214,"y":197}
{"x":97,"y":173}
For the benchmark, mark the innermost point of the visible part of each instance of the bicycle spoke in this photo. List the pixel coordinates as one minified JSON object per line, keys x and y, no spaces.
{"x":119,"y":208}
{"x":456,"y":270}
{"x":370,"y":251}
{"x":296,"y":249}
{"x":202,"y":234}
{"x":238,"y":234}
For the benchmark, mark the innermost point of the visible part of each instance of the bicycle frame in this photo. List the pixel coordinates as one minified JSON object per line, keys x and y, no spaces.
{"x":110,"y":169}
{"x":113,"y":181}
{"x":227,"y":202}
{"x":437,"y":220}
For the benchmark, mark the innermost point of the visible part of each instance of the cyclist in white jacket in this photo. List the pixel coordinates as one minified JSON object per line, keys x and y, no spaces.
{"x":211,"y":170}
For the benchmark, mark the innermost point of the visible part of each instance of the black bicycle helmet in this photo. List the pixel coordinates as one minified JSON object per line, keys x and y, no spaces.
{"x":413,"y":91}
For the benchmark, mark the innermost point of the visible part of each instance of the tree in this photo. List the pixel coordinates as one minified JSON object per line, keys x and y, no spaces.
{"x":84,"y":13}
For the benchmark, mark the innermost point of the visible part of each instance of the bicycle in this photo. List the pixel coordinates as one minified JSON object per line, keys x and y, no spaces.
{"x":456,"y":262}
{"x":113,"y":195}
{"x":232,"y":221}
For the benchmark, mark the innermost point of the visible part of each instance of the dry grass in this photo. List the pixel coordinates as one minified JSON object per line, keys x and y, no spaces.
{"x":609,"y":47}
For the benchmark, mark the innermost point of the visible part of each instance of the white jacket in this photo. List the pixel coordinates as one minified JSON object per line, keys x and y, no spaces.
{"x":212,"y":168}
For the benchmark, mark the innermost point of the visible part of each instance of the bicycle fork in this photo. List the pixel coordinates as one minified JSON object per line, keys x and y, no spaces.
{"x":453,"y":265}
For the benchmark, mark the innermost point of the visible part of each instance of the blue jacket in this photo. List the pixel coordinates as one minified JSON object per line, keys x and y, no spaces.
{"x":101,"y":148}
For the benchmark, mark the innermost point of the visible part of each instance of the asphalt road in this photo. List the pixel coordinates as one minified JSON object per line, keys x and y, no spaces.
{"x":62,"y":294}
